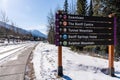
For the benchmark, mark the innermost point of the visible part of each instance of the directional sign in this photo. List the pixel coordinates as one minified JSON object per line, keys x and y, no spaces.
{"x":85,"y":36}
{"x":83,"y":30}
{"x":84,"y":24}
{"x":78,"y":43}
{"x":63,"y":16}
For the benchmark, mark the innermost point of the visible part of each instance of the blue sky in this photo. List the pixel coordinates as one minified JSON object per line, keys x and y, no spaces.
{"x":30,"y":14}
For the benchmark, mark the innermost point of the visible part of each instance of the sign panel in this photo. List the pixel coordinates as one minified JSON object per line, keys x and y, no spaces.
{"x":83,"y":30}
{"x":64,"y":16}
{"x":85,"y":36}
{"x":84,"y":24}
{"x":78,"y":43}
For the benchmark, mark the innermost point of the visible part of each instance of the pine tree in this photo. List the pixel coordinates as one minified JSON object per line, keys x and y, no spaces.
{"x":117,"y":11}
{"x":114,"y":7}
{"x":97,"y":7}
{"x":66,"y":6}
{"x":82,"y":7}
{"x":106,"y":7}
{"x":90,"y":13}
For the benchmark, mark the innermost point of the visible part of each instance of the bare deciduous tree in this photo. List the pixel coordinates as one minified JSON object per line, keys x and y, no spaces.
{"x":4,"y":17}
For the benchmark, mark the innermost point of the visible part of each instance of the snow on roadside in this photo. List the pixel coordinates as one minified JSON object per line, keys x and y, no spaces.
{"x":75,"y":66}
{"x":9,"y":52}
{"x":9,"y":47}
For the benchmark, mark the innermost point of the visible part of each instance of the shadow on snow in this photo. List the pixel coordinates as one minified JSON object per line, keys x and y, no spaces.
{"x":66,"y":77}
{"x":116,"y":72}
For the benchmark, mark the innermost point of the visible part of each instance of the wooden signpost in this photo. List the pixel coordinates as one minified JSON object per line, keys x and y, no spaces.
{"x":60,"y":68}
{"x":76,"y":30}
{"x":111,"y":50}
{"x":111,"y":60}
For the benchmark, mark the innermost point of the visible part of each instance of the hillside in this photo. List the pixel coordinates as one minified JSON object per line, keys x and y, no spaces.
{"x":8,"y":30}
{"x":37,"y":33}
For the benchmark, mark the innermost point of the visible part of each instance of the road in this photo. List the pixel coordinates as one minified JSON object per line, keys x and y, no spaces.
{"x":15,"y":69}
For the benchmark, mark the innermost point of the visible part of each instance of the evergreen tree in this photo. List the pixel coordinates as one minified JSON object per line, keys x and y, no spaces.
{"x":100,"y":8}
{"x":90,"y":13}
{"x":106,"y":7}
{"x":82,"y":7}
{"x":117,"y":11}
{"x":113,"y":6}
{"x":81,"y":10}
{"x":66,"y":6}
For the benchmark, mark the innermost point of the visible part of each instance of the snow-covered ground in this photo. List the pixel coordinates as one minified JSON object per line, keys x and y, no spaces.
{"x":75,"y":66}
{"x":8,"y":52}
{"x":9,"y":47}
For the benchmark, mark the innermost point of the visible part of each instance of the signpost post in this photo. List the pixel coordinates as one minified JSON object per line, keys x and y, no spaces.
{"x":111,"y":50}
{"x":76,"y":30}
{"x":111,"y":60}
{"x":60,"y":68}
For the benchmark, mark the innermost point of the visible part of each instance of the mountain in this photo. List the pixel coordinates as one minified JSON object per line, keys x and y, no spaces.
{"x":21,"y":31}
{"x":37,"y":33}
{"x":4,"y":24}
{"x":14,"y":28}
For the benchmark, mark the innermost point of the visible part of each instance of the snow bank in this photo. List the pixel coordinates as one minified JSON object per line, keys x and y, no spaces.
{"x":75,"y":66}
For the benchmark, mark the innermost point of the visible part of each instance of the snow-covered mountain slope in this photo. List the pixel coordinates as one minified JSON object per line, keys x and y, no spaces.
{"x":3,"y":24}
{"x":35,"y":33}
{"x":75,"y":66}
{"x":38,"y":33}
{"x":14,"y":28}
